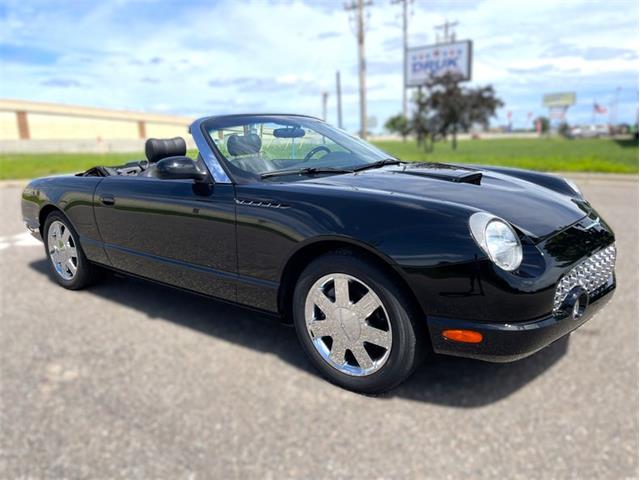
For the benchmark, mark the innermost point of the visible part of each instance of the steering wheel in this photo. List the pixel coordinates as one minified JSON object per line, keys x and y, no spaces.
{"x":313,"y":151}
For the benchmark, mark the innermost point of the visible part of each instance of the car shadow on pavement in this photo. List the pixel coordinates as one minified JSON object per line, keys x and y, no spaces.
{"x":443,"y":380}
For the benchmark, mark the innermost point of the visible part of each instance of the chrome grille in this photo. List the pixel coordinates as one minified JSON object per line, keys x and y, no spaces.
{"x":591,"y":274}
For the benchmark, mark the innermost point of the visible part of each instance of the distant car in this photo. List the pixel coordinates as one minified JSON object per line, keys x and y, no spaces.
{"x":375,"y":261}
{"x":589,"y":131}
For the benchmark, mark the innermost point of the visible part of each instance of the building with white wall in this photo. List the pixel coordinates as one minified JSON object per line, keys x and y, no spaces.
{"x":37,"y":126}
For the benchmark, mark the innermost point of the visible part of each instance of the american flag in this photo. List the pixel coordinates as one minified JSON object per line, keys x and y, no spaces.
{"x":597,"y":108}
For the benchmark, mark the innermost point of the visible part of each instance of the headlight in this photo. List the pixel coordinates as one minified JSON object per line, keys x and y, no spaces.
{"x":573,"y":186}
{"x":497,"y":239}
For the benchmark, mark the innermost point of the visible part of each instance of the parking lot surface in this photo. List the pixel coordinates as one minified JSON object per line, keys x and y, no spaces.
{"x":133,"y":380}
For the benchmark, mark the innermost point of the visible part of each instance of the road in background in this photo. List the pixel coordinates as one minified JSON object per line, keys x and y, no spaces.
{"x":130,"y":379}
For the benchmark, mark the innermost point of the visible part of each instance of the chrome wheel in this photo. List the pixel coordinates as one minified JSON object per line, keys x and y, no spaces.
{"x":62,"y":250}
{"x":348,"y":324}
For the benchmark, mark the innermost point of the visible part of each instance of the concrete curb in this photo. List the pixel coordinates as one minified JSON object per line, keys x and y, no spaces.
{"x":13,"y":183}
{"x":599,"y":177}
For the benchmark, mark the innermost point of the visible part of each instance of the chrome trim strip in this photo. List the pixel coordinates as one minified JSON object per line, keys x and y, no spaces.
{"x":210,"y":159}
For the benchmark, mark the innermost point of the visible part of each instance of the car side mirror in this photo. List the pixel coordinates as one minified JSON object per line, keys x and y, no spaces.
{"x":179,"y":168}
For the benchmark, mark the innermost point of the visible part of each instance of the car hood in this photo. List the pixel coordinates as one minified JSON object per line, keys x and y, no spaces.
{"x":536,"y":210}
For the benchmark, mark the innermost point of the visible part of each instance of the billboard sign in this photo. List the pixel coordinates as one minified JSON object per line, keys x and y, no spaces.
{"x":426,"y":63}
{"x":559,"y":100}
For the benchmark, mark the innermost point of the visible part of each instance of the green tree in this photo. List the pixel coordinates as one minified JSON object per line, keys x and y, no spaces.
{"x":398,"y":124}
{"x":447,"y":108}
{"x":544,"y":124}
{"x":424,"y":121}
{"x":564,"y":130}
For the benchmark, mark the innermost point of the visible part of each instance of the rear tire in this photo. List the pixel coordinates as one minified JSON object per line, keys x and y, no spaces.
{"x":364,"y":336}
{"x":67,"y":261}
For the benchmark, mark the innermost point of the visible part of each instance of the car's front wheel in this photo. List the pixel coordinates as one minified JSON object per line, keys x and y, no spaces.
{"x":69,"y":265}
{"x":355,"y":324}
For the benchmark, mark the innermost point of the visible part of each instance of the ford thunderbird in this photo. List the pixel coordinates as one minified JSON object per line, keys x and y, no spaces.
{"x":377,"y":263}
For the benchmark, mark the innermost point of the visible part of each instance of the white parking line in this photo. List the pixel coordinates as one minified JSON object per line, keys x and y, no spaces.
{"x":19,"y":240}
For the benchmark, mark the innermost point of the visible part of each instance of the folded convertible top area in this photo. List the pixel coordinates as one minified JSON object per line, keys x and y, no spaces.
{"x":155,"y":149}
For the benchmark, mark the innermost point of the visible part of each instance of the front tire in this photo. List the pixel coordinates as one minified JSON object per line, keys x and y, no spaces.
{"x":68,"y":263}
{"x":356,"y":326}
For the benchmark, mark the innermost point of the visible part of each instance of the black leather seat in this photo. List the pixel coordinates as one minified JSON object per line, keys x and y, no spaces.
{"x":248,"y":144}
{"x":158,"y":148}
{"x":247,"y":147}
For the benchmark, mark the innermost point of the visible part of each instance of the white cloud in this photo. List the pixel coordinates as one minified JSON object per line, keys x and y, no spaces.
{"x":279,"y":56}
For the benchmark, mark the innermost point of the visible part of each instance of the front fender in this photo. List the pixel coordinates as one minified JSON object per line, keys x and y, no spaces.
{"x":74,"y":197}
{"x":430,"y":245}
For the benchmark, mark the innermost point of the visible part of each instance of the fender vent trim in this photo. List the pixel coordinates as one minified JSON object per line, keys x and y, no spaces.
{"x":260,"y":203}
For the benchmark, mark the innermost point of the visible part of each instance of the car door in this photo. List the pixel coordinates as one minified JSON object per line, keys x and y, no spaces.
{"x":164,"y":230}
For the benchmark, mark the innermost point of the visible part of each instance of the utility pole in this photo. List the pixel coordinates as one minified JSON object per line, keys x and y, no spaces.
{"x":359,"y":5}
{"x":339,"y":98}
{"x":445,"y":27}
{"x":362,"y":71}
{"x":325,"y":97}
{"x":405,"y":46}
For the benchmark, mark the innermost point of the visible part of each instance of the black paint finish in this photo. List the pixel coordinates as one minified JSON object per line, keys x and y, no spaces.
{"x":163,"y":230}
{"x":236,"y":241}
{"x":510,"y":341}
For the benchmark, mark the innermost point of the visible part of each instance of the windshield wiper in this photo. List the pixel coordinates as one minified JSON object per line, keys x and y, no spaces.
{"x":315,"y":170}
{"x":305,"y":171}
{"x":378,"y":164}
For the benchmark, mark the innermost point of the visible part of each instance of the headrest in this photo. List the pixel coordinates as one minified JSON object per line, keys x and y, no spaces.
{"x":243,"y":145}
{"x":158,"y":148}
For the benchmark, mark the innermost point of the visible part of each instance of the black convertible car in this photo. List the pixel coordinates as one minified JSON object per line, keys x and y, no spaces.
{"x":376,"y":262}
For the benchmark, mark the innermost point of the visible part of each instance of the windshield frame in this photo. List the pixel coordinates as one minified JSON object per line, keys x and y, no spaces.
{"x":321,"y":127}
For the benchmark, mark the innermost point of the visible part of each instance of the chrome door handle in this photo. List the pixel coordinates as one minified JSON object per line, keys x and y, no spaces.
{"x":108,"y":200}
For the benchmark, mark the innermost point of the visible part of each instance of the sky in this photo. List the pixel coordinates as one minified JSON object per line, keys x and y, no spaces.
{"x":211,"y":57}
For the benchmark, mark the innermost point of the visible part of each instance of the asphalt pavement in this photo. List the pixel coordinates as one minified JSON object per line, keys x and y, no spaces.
{"x":133,"y":380}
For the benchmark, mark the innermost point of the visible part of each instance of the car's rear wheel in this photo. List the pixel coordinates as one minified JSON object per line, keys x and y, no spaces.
{"x":67,"y":260}
{"x":355,"y":324}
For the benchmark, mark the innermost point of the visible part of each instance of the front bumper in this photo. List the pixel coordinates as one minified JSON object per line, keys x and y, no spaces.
{"x":503,"y":342}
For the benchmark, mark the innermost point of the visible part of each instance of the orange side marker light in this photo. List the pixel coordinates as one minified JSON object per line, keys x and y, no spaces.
{"x":463,"y":336}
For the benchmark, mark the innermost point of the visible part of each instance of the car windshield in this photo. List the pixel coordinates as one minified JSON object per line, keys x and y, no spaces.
{"x":281,"y":146}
